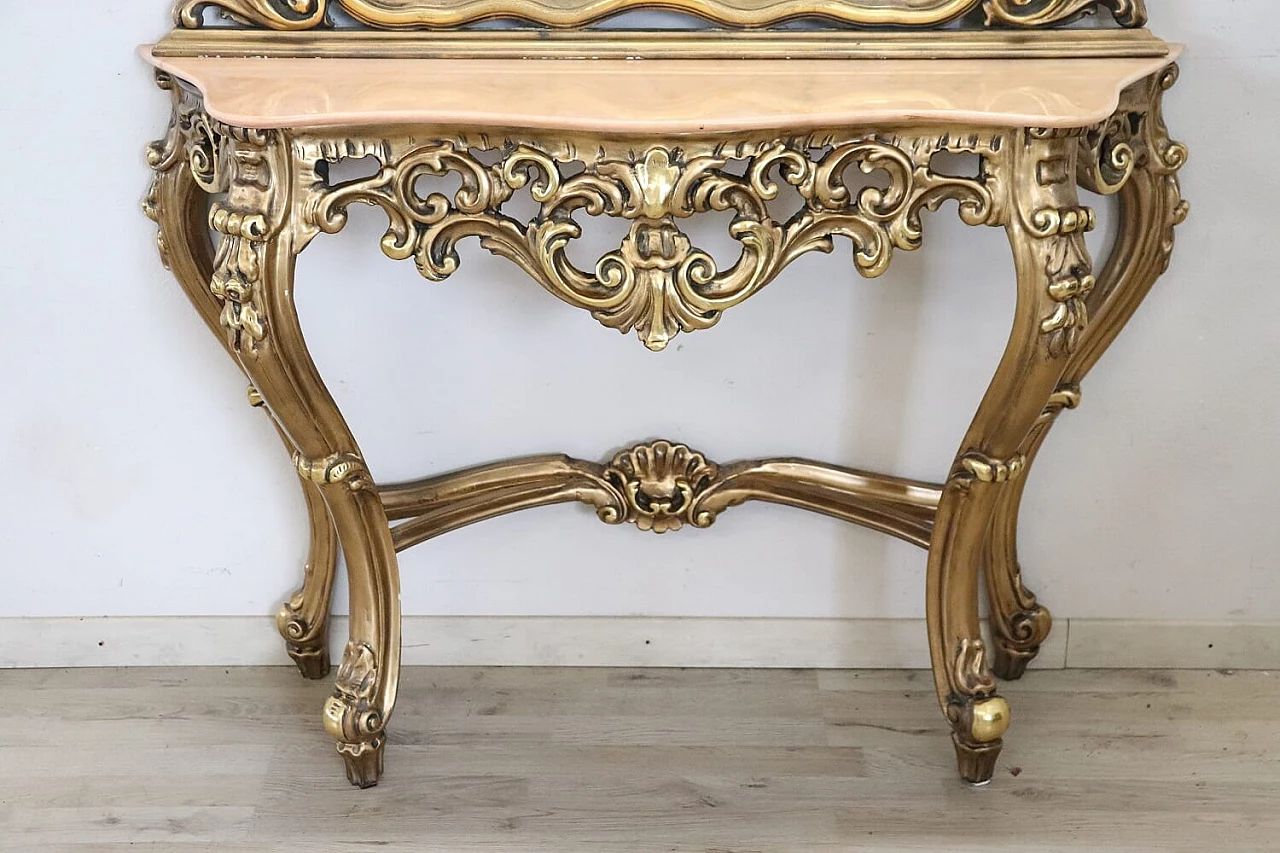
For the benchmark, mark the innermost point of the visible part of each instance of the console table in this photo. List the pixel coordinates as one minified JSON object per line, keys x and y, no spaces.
{"x":843,"y":126}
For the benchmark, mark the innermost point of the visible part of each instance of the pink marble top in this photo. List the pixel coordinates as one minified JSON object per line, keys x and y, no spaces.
{"x":659,"y":96}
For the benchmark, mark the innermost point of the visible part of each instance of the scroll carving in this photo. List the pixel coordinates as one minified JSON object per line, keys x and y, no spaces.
{"x":1029,"y":624}
{"x":1134,"y":136}
{"x":1043,"y":13}
{"x":249,"y":167}
{"x":411,"y":14}
{"x":658,"y":283}
{"x":1149,"y":185}
{"x":1107,"y":158}
{"x":346,"y":468}
{"x":1139,"y":133}
{"x":972,"y":678}
{"x":349,"y":715}
{"x":272,"y":14}
{"x":1167,"y":158}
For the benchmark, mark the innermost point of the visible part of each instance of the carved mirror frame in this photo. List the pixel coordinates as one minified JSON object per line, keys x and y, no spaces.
{"x":442,"y":14}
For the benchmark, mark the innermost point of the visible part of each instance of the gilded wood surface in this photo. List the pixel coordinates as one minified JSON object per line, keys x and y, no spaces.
{"x":276,"y":198}
{"x":659,"y":486}
{"x":409,"y":14}
{"x":185,"y":248}
{"x":658,"y":283}
{"x":1131,"y":156}
{"x":251,"y":283}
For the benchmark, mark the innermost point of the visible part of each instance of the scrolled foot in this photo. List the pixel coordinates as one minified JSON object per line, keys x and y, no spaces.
{"x":307,"y":645}
{"x":979,"y":728}
{"x":1009,"y":663}
{"x":364,"y":761}
{"x":351,"y":718}
{"x":1018,"y":640}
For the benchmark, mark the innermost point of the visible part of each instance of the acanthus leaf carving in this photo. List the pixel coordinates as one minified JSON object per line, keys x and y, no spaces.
{"x":1044,"y":13}
{"x":350,"y":716}
{"x":248,"y":166}
{"x":658,"y":283}
{"x":1048,"y":229}
{"x":272,"y":14}
{"x":245,"y":164}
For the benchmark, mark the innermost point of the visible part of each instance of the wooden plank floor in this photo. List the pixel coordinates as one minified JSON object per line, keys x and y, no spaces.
{"x":594,"y":760}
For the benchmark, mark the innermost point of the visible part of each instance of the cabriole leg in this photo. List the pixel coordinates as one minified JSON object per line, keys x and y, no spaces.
{"x":1132,"y":156}
{"x":1045,"y":224}
{"x":179,"y":207}
{"x":254,"y":277}
{"x":252,"y":284}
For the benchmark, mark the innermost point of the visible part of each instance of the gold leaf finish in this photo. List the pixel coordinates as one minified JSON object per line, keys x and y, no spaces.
{"x":440,"y":14}
{"x":659,"y":486}
{"x":273,"y":14}
{"x":661,"y":483}
{"x":1131,"y":156}
{"x":990,"y":720}
{"x":351,"y":718}
{"x":236,"y":206}
{"x":987,"y":470}
{"x":346,"y":468}
{"x":177,"y":204}
{"x":657,"y":283}
{"x":1042,"y":13}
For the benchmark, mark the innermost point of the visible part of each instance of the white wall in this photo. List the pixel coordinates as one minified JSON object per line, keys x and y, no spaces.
{"x":138,"y":482}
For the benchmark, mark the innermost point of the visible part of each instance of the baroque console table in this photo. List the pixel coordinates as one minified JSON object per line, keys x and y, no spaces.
{"x":656,"y":127}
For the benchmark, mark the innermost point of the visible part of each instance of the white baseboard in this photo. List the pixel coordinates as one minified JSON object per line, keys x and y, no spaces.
{"x":618,"y":641}
{"x":1123,"y":644}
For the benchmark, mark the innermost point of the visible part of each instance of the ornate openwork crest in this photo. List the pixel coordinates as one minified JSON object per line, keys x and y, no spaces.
{"x":661,"y":483}
{"x":434,"y":14}
{"x":658,"y":283}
